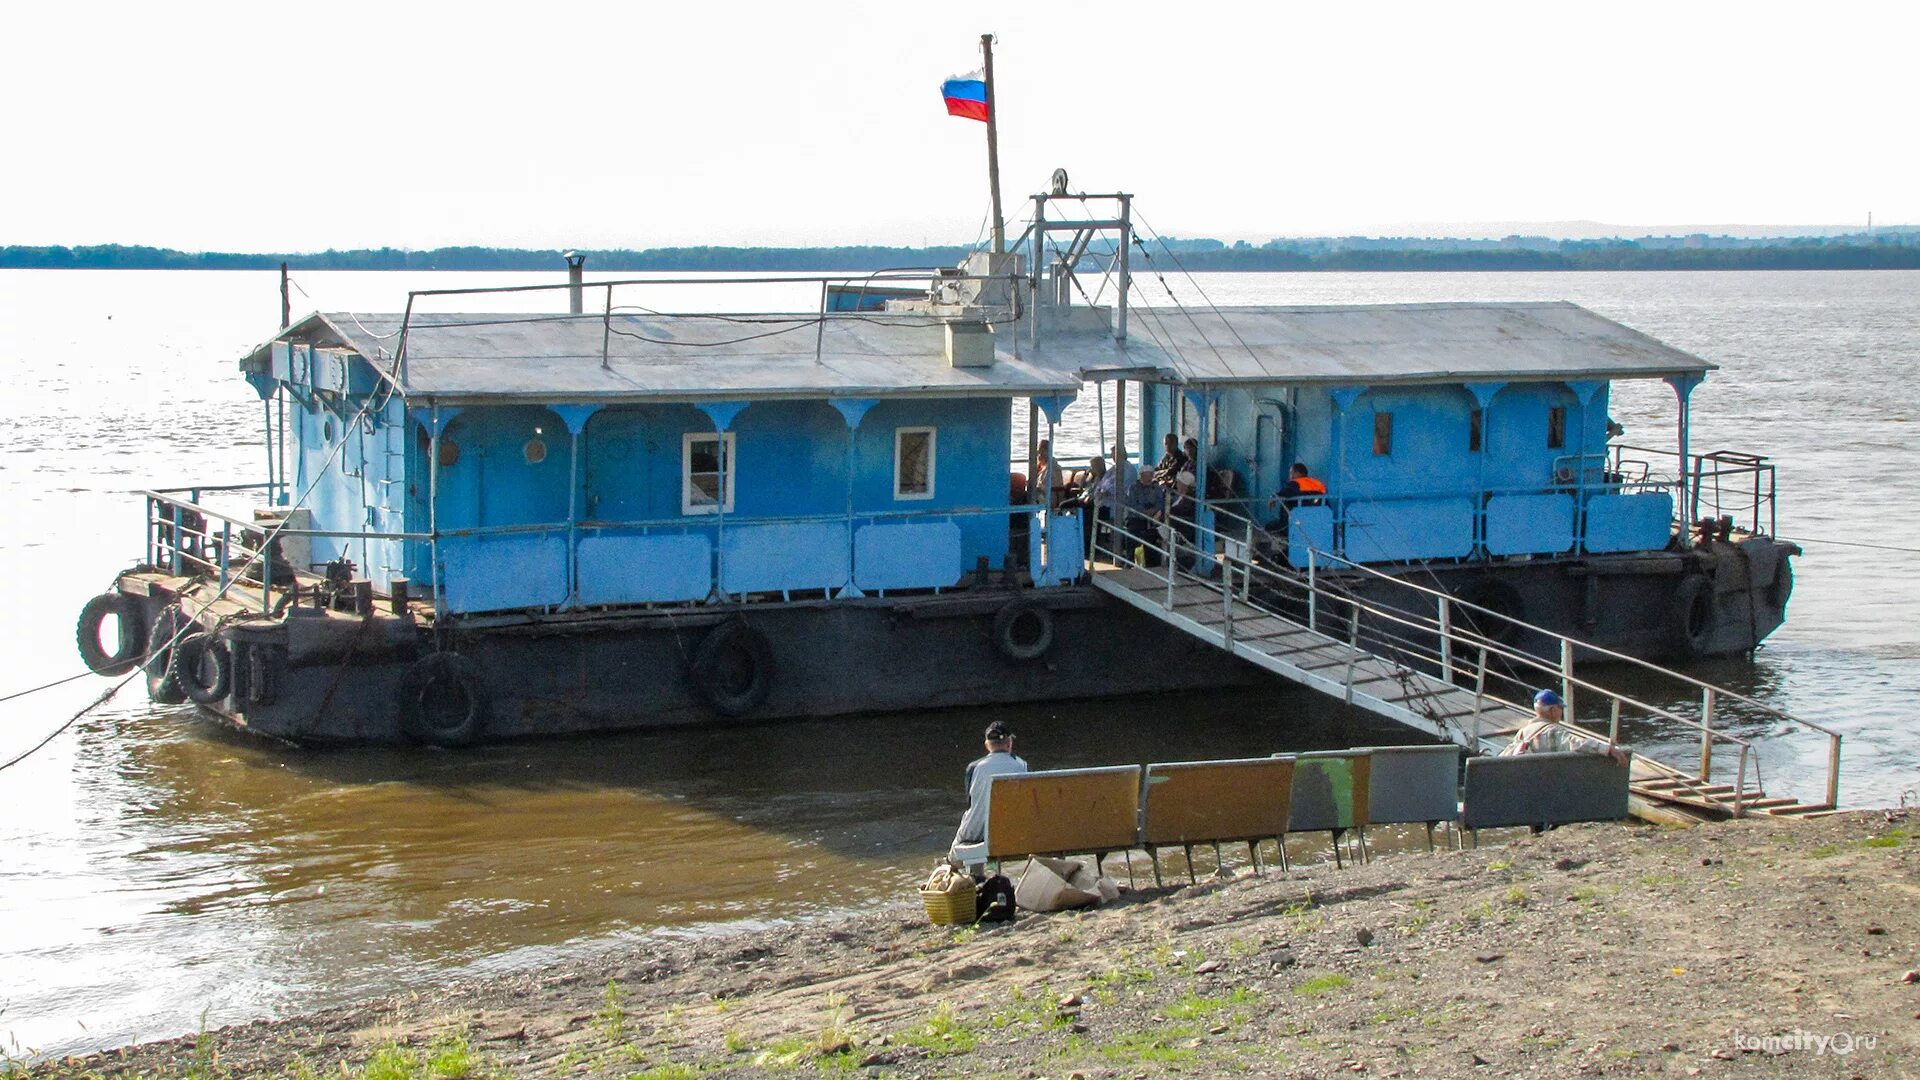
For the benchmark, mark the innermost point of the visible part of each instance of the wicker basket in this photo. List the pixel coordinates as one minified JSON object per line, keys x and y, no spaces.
{"x":951,"y":908}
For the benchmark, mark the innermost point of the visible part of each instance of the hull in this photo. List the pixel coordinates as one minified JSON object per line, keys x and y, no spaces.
{"x":1719,"y":599}
{"x":337,"y":678}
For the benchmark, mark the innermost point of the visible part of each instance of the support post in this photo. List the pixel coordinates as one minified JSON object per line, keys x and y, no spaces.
{"x":1313,"y":593}
{"x":1740,"y":784}
{"x":1446,"y":639}
{"x":1833,"y":770}
{"x":1613,"y":727}
{"x":1126,"y":280}
{"x":286,"y":299}
{"x":1566,"y":678}
{"x":1706,"y":733}
{"x":993,"y":149}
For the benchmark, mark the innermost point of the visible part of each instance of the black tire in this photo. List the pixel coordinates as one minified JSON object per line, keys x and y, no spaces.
{"x":1694,"y":614}
{"x":733,"y":668}
{"x":1023,"y":631}
{"x":202,"y":653}
{"x":161,"y":685}
{"x":133,"y":634}
{"x":444,"y":701}
{"x":1498,"y":597}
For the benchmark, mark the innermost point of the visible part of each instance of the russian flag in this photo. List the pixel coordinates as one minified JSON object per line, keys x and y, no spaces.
{"x":966,"y":96}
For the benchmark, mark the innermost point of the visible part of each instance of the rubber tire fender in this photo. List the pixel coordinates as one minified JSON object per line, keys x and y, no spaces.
{"x":133,"y":634}
{"x":733,"y":640}
{"x":189,"y":655}
{"x":1694,"y":602}
{"x":162,"y":687}
{"x":1006,"y":627}
{"x":440,"y":673}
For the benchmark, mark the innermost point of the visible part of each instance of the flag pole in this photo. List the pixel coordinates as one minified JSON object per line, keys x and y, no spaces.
{"x":993,"y":150}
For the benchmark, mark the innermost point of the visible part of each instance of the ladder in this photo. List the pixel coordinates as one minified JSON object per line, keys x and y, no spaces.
{"x":1425,"y":673}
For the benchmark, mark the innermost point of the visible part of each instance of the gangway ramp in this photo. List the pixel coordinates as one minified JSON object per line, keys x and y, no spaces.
{"x":1389,"y":661}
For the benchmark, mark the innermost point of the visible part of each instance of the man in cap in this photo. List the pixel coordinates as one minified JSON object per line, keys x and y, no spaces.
{"x":1548,"y":733}
{"x":999,"y":761}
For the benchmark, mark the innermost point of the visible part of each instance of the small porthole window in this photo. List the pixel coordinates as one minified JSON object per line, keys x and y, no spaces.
{"x":449,"y":453}
{"x":535,"y":451}
{"x":326,"y":429}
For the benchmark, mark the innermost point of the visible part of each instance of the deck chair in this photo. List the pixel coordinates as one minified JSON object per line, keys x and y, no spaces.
{"x":1543,"y":790}
{"x":1240,"y":801}
{"x":1061,"y":812}
{"x":1330,"y":794}
{"x":1414,"y":785}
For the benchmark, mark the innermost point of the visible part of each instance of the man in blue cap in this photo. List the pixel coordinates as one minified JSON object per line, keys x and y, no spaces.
{"x":1547,"y":733}
{"x":969,"y":847}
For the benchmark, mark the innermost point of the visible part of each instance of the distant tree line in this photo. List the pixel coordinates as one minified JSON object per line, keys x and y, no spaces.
{"x":1817,"y":253}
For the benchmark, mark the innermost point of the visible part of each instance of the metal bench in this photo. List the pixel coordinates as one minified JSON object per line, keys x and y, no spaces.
{"x":1238,"y":801}
{"x":1061,"y":812}
{"x":1413,"y":785}
{"x":1330,"y":794}
{"x":1543,"y":790}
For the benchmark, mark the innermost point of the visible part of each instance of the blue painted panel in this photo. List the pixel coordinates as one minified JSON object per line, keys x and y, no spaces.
{"x":1639,"y":522}
{"x":624,"y":568}
{"x":921,"y":556}
{"x":772,"y":558}
{"x":1529,"y":524}
{"x":1405,"y":529}
{"x":1055,"y":553}
{"x":1309,"y":526}
{"x":497,"y":573}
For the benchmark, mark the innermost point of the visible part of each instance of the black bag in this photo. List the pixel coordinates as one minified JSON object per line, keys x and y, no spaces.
{"x":995,"y":897}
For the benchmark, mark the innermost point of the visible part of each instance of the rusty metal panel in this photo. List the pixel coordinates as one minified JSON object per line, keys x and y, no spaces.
{"x":1064,"y":811}
{"x":1195,"y":802}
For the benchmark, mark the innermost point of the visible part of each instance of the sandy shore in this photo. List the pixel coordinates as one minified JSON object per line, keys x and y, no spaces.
{"x":1722,"y":950}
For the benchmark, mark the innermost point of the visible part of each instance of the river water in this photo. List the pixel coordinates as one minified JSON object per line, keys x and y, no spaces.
{"x":155,"y":870}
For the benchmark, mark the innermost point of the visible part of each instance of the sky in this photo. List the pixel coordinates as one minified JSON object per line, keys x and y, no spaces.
{"x":295,"y":126}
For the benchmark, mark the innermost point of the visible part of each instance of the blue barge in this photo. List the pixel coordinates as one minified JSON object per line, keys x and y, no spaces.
{"x":487,"y":525}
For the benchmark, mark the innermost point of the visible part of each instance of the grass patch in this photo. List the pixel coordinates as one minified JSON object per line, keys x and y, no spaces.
{"x":611,"y":1020}
{"x":1516,"y":895}
{"x":1322,"y":984}
{"x":1150,"y":1048}
{"x":449,"y":1057}
{"x":672,"y":1070}
{"x":1497,"y":865}
{"x":942,"y":1034}
{"x":1194,"y":1006}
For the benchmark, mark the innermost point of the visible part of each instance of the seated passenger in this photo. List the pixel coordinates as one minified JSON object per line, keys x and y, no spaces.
{"x":1047,"y":481}
{"x":1301,"y":489}
{"x":1549,"y":734}
{"x":1144,"y":502}
{"x":1172,"y":463}
{"x":999,"y":761}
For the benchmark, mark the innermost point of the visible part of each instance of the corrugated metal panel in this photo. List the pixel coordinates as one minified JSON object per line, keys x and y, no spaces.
{"x":694,"y":357}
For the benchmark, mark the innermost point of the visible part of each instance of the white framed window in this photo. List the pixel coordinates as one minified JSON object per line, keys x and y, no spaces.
{"x":913,"y":460}
{"x":706,"y":469}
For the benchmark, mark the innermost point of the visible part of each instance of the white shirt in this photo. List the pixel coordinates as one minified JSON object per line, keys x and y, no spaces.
{"x":980,"y":774}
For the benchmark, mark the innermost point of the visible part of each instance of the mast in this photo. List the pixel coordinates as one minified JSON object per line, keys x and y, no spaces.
{"x":993,"y":150}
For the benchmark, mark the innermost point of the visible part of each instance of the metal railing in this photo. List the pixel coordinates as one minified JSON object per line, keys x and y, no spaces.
{"x":187,"y":537}
{"x":1459,"y":640}
{"x":1725,"y":483}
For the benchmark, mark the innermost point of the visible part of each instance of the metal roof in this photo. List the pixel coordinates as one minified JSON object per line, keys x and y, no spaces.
{"x":713,"y":357}
{"x":674,"y":357}
{"x":1401,"y":343}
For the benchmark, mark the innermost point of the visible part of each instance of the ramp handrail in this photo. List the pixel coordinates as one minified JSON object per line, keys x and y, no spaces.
{"x":1236,"y":560}
{"x":1711,"y":694}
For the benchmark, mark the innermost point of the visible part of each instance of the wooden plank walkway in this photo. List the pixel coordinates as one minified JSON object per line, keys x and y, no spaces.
{"x":1384,"y":686}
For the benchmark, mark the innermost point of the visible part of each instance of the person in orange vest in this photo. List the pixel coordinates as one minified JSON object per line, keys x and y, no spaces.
{"x":1301,"y":489}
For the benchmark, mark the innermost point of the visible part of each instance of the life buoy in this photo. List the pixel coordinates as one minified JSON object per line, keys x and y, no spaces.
{"x":202,"y":667}
{"x":444,"y":701}
{"x":1023,"y":630}
{"x":132,"y":645}
{"x":161,"y":685}
{"x":1781,"y":588}
{"x":1694,"y":613}
{"x":1508,"y":609}
{"x":733,"y":668}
